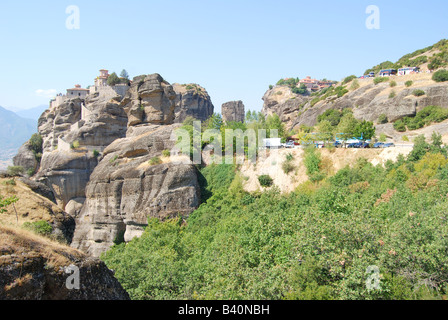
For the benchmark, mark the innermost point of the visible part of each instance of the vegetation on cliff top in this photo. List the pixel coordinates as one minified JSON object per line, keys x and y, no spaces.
{"x":417,"y":58}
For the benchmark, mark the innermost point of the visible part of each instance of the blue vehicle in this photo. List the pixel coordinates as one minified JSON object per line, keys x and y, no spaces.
{"x":388,"y":145}
{"x":337,"y":144}
{"x":378,"y":145}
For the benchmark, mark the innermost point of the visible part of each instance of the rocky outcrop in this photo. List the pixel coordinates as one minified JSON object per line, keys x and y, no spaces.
{"x":74,"y":133}
{"x":150,"y":100}
{"x":133,"y":181}
{"x":102,"y":159}
{"x":283,"y":102}
{"x":130,"y":185}
{"x":192,"y":100}
{"x":67,"y":173}
{"x":33,"y":268}
{"x":368,"y":102}
{"x":233,"y":111}
{"x":25,"y":158}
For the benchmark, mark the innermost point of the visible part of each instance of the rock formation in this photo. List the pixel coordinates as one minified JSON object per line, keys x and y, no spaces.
{"x":233,"y":111}
{"x":102,"y":159}
{"x":73,"y":134}
{"x":133,"y":181}
{"x":192,"y":100}
{"x":34,"y":268}
{"x":282,"y":101}
{"x":368,"y":102}
{"x":25,"y":158}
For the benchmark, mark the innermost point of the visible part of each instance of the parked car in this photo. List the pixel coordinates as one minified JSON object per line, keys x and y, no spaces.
{"x":363,"y":145}
{"x":338,"y":144}
{"x":289,"y":144}
{"x":352,"y":145}
{"x":388,"y":145}
{"x":378,"y":145}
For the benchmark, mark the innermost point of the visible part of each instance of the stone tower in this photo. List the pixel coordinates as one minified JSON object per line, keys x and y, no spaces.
{"x":233,"y":111}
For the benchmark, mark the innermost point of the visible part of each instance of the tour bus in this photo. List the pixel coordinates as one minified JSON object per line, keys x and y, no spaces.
{"x":408,"y":70}
{"x":388,"y":72}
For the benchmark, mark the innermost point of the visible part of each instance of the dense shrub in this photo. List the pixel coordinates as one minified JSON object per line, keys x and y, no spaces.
{"x":265,"y":181}
{"x":166,"y":153}
{"x":40,"y":227}
{"x":409,"y":83}
{"x":348,"y":79}
{"x":155,"y":161}
{"x":393,"y":84}
{"x":379,"y":80}
{"x":288,"y":165}
{"x":400,"y":126}
{"x":440,"y":76}
{"x":418,"y":93}
{"x":382,"y":119}
{"x":15,"y":170}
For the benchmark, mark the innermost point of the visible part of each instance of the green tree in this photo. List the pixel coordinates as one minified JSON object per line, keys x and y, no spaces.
{"x":273,"y":122}
{"x":325,"y":130}
{"x":113,"y":79}
{"x":214,"y":122}
{"x":124,"y":74}
{"x":347,"y":126}
{"x":301,"y":90}
{"x":365,"y":129}
{"x":5,"y":202}
{"x":421,"y":147}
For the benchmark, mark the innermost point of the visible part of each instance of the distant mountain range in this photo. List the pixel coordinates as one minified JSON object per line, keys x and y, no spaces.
{"x":15,"y":130}
{"x":33,"y":113}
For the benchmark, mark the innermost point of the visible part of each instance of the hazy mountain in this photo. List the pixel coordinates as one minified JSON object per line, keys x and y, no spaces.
{"x":33,"y":113}
{"x":14,"y":131}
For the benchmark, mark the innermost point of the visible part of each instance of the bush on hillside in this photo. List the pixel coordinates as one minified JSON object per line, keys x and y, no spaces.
{"x":265,"y":181}
{"x":379,"y":80}
{"x":382,"y":119}
{"x":418,"y":93}
{"x":440,"y":76}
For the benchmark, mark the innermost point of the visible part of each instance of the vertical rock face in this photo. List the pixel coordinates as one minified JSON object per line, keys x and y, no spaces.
{"x":133,"y":181}
{"x":86,"y":125}
{"x":25,"y":158}
{"x":102,"y":159}
{"x":282,"y":101}
{"x":233,"y":111}
{"x":149,"y":100}
{"x":192,"y":100}
{"x":127,"y":187}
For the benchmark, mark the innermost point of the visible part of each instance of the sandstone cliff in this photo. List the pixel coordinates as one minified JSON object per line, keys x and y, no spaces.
{"x":133,"y":181}
{"x":192,"y":100}
{"x":233,"y":111}
{"x":368,"y":101}
{"x":98,"y":159}
{"x":282,"y":101}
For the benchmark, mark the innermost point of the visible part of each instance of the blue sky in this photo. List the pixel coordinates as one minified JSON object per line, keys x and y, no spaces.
{"x":235,"y":49}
